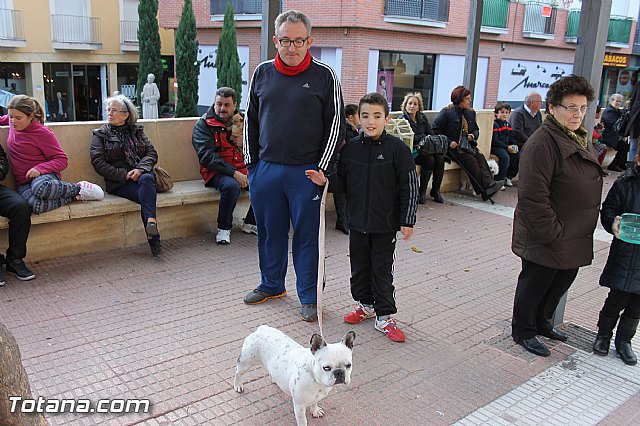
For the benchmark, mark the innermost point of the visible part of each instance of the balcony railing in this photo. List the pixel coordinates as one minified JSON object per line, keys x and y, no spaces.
{"x":573,"y":20}
{"x":76,"y":29}
{"x":495,"y":13}
{"x":636,"y":41}
{"x":240,"y":7}
{"x":11,"y":25}
{"x":619,"y":30}
{"x":537,"y":24}
{"x":129,"y":32}
{"x":433,"y":10}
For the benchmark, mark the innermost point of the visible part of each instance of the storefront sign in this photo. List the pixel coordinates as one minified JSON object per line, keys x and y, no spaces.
{"x":208,"y":79}
{"x":615,"y":60}
{"x":519,"y":78}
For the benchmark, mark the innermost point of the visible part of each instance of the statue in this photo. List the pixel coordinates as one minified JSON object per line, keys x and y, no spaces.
{"x":150,"y":96}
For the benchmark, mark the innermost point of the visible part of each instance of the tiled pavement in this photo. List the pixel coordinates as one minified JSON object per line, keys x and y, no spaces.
{"x":121,"y":324}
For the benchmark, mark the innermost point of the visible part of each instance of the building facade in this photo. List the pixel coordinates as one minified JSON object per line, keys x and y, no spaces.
{"x":397,"y":46}
{"x":71,"y":54}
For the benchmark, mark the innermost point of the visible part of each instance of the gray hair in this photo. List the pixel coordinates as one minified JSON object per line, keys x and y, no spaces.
{"x":530,"y":97}
{"x":293,"y":16}
{"x":125,"y":104}
{"x":615,"y":96}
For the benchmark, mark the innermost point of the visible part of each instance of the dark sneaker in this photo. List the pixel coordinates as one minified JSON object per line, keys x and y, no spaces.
{"x":20,"y":270}
{"x":309,"y":313}
{"x":152,"y":228}
{"x":256,"y":296}
{"x":1,"y":274}
{"x":156,"y":248}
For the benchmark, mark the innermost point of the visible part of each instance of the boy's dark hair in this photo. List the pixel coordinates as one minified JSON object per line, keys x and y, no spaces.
{"x":501,"y":105}
{"x":567,"y":86}
{"x":374,"y":98}
{"x":350,"y":109}
{"x":226,"y":92}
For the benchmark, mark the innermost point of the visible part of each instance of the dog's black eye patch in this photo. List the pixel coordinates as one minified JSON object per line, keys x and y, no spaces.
{"x":326,"y":368}
{"x":348,"y":366}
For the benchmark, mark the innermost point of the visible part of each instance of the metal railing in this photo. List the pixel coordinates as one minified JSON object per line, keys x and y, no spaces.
{"x":495,"y":13}
{"x":573,"y":20}
{"x":11,"y":25}
{"x":433,"y":10}
{"x":534,"y":22}
{"x":619,"y":29}
{"x":76,"y":29}
{"x":129,"y":32}
{"x":240,"y":7}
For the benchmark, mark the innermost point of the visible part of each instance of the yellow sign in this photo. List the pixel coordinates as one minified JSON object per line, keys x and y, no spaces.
{"x":615,"y":60}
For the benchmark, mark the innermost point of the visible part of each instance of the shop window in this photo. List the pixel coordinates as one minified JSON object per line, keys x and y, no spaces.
{"x":400,"y":73}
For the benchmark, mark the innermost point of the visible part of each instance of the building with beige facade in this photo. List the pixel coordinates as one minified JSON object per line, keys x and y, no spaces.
{"x":72,"y":54}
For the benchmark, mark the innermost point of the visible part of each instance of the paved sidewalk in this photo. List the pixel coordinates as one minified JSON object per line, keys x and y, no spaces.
{"x":122,"y":324}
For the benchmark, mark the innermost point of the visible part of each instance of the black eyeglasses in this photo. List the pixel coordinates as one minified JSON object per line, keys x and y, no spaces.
{"x":576,"y":110}
{"x":299,"y":42}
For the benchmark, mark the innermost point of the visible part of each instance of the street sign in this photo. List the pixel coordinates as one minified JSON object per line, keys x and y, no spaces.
{"x":546,"y":11}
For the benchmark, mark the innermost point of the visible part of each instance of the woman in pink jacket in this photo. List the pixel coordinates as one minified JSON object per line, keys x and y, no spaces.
{"x":37,"y":159}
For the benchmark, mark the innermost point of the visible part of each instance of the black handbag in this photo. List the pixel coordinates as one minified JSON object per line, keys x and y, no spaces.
{"x":467,"y":146}
{"x":433,"y":144}
{"x":620,"y":126}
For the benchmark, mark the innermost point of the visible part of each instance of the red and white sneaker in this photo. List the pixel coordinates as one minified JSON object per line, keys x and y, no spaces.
{"x":390,"y":328}
{"x":359,"y":314}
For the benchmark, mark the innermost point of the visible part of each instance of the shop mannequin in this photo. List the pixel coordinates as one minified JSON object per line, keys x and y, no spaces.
{"x":150,"y":96}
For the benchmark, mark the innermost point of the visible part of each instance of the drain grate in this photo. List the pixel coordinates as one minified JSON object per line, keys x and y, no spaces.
{"x":579,"y":337}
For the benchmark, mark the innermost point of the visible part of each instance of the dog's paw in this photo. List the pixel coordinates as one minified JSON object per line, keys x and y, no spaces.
{"x":316,"y":411}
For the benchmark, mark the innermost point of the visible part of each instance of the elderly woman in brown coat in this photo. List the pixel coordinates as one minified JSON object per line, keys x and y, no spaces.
{"x":559,"y":194}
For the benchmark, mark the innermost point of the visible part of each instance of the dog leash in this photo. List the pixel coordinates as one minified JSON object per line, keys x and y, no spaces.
{"x":321,"y":252}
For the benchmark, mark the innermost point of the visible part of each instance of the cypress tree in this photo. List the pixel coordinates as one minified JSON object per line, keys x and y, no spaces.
{"x":228,"y":66}
{"x":149,"y":43}
{"x":187,"y":67}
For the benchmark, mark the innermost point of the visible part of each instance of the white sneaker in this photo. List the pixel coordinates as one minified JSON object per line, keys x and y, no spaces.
{"x":250,"y":229}
{"x":90,"y":191}
{"x":223,"y":236}
{"x":508,"y":182}
{"x":504,"y":188}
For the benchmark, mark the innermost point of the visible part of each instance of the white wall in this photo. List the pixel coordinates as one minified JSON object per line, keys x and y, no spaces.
{"x":449,"y":72}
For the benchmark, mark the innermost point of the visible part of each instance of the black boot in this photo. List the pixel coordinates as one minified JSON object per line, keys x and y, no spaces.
{"x":425,"y":175}
{"x":438,"y":175}
{"x":625,"y":332}
{"x":605,"y":333}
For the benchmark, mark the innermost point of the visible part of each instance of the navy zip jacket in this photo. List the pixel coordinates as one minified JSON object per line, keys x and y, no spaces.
{"x":380,"y":181}
{"x":502,"y":134}
{"x":296,"y":119}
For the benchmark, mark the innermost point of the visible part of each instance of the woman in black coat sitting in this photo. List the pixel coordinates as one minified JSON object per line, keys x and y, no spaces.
{"x":610,"y":137}
{"x":457,"y":122}
{"x":412,"y":108}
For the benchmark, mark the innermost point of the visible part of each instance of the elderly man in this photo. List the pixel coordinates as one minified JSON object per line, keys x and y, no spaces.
{"x":295,"y":119}
{"x":221,"y":161}
{"x":527,"y":118}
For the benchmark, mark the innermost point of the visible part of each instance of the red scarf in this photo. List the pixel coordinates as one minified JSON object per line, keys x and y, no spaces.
{"x":289,"y":70}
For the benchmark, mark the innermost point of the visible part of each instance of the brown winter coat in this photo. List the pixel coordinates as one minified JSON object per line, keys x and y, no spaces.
{"x":559,"y":194}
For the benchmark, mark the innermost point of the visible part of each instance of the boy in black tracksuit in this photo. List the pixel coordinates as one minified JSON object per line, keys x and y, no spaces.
{"x":378,"y":175}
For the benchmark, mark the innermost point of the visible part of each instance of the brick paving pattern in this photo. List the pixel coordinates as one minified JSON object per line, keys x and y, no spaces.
{"x":122,"y":324}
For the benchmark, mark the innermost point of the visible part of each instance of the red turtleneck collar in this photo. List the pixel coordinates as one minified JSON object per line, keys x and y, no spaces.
{"x":288,"y":70}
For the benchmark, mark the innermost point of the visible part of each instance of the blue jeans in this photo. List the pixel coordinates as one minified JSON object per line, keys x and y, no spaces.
{"x":229,"y":193}
{"x":508,"y":163}
{"x":633,"y":148}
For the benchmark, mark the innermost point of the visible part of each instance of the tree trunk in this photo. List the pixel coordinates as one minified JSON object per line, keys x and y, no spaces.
{"x":14,"y":382}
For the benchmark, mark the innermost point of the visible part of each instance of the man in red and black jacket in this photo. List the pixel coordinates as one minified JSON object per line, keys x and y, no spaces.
{"x":221,"y":161}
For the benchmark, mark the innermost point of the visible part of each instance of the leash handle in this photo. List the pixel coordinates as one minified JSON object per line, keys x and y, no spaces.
{"x":321,"y":253}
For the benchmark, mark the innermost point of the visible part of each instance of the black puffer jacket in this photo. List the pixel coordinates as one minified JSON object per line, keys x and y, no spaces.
{"x":449,"y":123}
{"x":380,"y":182}
{"x":622,"y":271}
{"x":609,"y":116}
{"x":108,"y":159}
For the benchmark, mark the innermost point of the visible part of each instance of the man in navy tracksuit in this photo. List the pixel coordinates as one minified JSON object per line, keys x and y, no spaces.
{"x":294,"y":121}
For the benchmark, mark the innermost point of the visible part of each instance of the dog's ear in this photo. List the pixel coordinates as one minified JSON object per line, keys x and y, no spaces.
{"x":348,"y":339}
{"x":317,"y":342}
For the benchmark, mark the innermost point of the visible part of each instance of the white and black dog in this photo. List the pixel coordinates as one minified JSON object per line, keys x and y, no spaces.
{"x":306,"y":374}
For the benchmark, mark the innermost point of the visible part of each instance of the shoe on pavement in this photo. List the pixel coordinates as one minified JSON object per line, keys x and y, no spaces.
{"x":156,"y":248}
{"x":494,"y":187}
{"x":554,"y":334}
{"x":223,"y":237}
{"x":20,"y":270}
{"x":359,"y":314}
{"x":390,"y":328}
{"x":533,"y":345}
{"x":309,"y":312}
{"x":90,"y":191}
{"x":507,"y":182}
{"x":247,"y":228}
{"x":2,"y":281}
{"x":256,"y":296}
